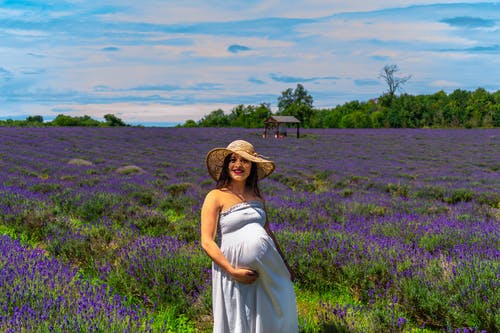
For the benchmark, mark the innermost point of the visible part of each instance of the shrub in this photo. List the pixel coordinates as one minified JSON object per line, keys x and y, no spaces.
{"x":130,"y":169}
{"x":45,"y":187}
{"x":153,"y":223}
{"x":144,"y":197}
{"x":491,"y":199}
{"x":178,"y":189}
{"x":97,"y":206}
{"x":79,"y":161}
{"x":461,"y":194}
{"x":401,"y":190}
{"x":347,"y":192}
{"x":431,"y":192}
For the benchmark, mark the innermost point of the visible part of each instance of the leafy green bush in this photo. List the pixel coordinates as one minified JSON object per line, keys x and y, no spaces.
{"x":460,"y":194}
{"x":130,"y":170}
{"x":491,"y":199}
{"x":431,"y":192}
{"x":45,"y":187}
{"x":178,"y":189}
{"x":401,"y":190}
{"x":96,"y":206}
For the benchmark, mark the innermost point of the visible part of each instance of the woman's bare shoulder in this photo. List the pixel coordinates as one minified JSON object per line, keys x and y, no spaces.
{"x":211,"y":195}
{"x":216,"y":195}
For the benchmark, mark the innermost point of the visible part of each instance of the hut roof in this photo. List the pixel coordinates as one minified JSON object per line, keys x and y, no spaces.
{"x":282,"y":119}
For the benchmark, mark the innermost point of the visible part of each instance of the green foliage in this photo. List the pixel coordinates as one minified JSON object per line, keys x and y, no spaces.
{"x":190,"y":123}
{"x":294,"y":182}
{"x":435,"y":241}
{"x":356,"y":119}
{"x":326,"y":118}
{"x":113,"y":121}
{"x":249,"y":116}
{"x":459,"y":109}
{"x":491,"y":199}
{"x":143,"y":197}
{"x":215,"y":118}
{"x":96,"y":206}
{"x":129,"y":170}
{"x":45,"y":187}
{"x":399,"y":190}
{"x":172,"y":321}
{"x":178,"y":189}
{"x":297,"y":103}
{"x":64,"y":120}
{"x":34,"y":119}
{"x":459,"y":195}
{"x":431,"y":192}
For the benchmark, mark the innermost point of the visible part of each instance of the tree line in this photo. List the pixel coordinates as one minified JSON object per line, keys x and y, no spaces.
{"x":459,"y":109}
{"x":110,"y":120}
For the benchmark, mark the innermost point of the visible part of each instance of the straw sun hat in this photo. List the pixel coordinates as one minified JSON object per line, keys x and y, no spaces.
{"x":215,"y":159}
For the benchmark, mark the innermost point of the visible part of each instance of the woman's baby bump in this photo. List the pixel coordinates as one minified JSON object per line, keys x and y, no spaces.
{"x":254,"y":243}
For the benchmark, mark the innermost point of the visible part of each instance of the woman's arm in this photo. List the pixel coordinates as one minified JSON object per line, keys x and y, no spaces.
{"x":209,"y":219}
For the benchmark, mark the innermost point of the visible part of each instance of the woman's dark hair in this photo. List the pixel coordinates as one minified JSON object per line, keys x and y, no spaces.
{"x":252,"y":182}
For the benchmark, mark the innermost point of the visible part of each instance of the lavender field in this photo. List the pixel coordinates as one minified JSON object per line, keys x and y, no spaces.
{"x":387,"y":230}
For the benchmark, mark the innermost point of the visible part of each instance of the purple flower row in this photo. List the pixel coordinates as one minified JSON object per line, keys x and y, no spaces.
{"x":39,"y":293}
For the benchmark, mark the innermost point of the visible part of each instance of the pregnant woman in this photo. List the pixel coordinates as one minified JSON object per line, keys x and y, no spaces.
{"x":251,"y":283}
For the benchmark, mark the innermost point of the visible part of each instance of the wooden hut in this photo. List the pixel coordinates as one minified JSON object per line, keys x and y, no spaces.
{"x":277,"y":125}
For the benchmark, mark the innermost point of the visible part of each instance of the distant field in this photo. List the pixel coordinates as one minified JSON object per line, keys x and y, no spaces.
{"x":387,"y":230}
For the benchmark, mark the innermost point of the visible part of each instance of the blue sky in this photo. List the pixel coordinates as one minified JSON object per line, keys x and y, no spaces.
{"x":153,"y":61}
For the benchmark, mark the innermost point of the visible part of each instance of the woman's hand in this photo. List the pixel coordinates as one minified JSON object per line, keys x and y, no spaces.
{"x":244,"y":275}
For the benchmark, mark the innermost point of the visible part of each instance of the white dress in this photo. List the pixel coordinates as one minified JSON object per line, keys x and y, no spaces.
{"x":265,"y":306}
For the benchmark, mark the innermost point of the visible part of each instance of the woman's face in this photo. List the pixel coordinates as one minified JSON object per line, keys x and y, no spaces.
{"x":239,"y":168}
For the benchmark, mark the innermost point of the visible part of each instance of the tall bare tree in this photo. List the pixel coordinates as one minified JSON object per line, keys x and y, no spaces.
{"x":394,"y":83}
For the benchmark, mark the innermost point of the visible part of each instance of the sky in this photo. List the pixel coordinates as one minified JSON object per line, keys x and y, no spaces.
{"x":164,"y":62}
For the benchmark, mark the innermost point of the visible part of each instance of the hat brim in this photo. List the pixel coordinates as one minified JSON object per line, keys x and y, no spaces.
{"x":215,"y":162}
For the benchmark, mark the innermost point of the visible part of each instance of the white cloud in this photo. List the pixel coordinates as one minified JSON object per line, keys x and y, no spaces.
{"x":444,"y":84}
{"x":136,"y":112}
{"x":10,"y":13}
{"x":25,"y":32}
{"x":193,"y":11}
{"x":403,"y":32}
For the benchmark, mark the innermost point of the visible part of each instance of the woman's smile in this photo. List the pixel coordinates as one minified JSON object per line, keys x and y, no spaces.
{"x":239,"y":167}
{"x":239,"y":173}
